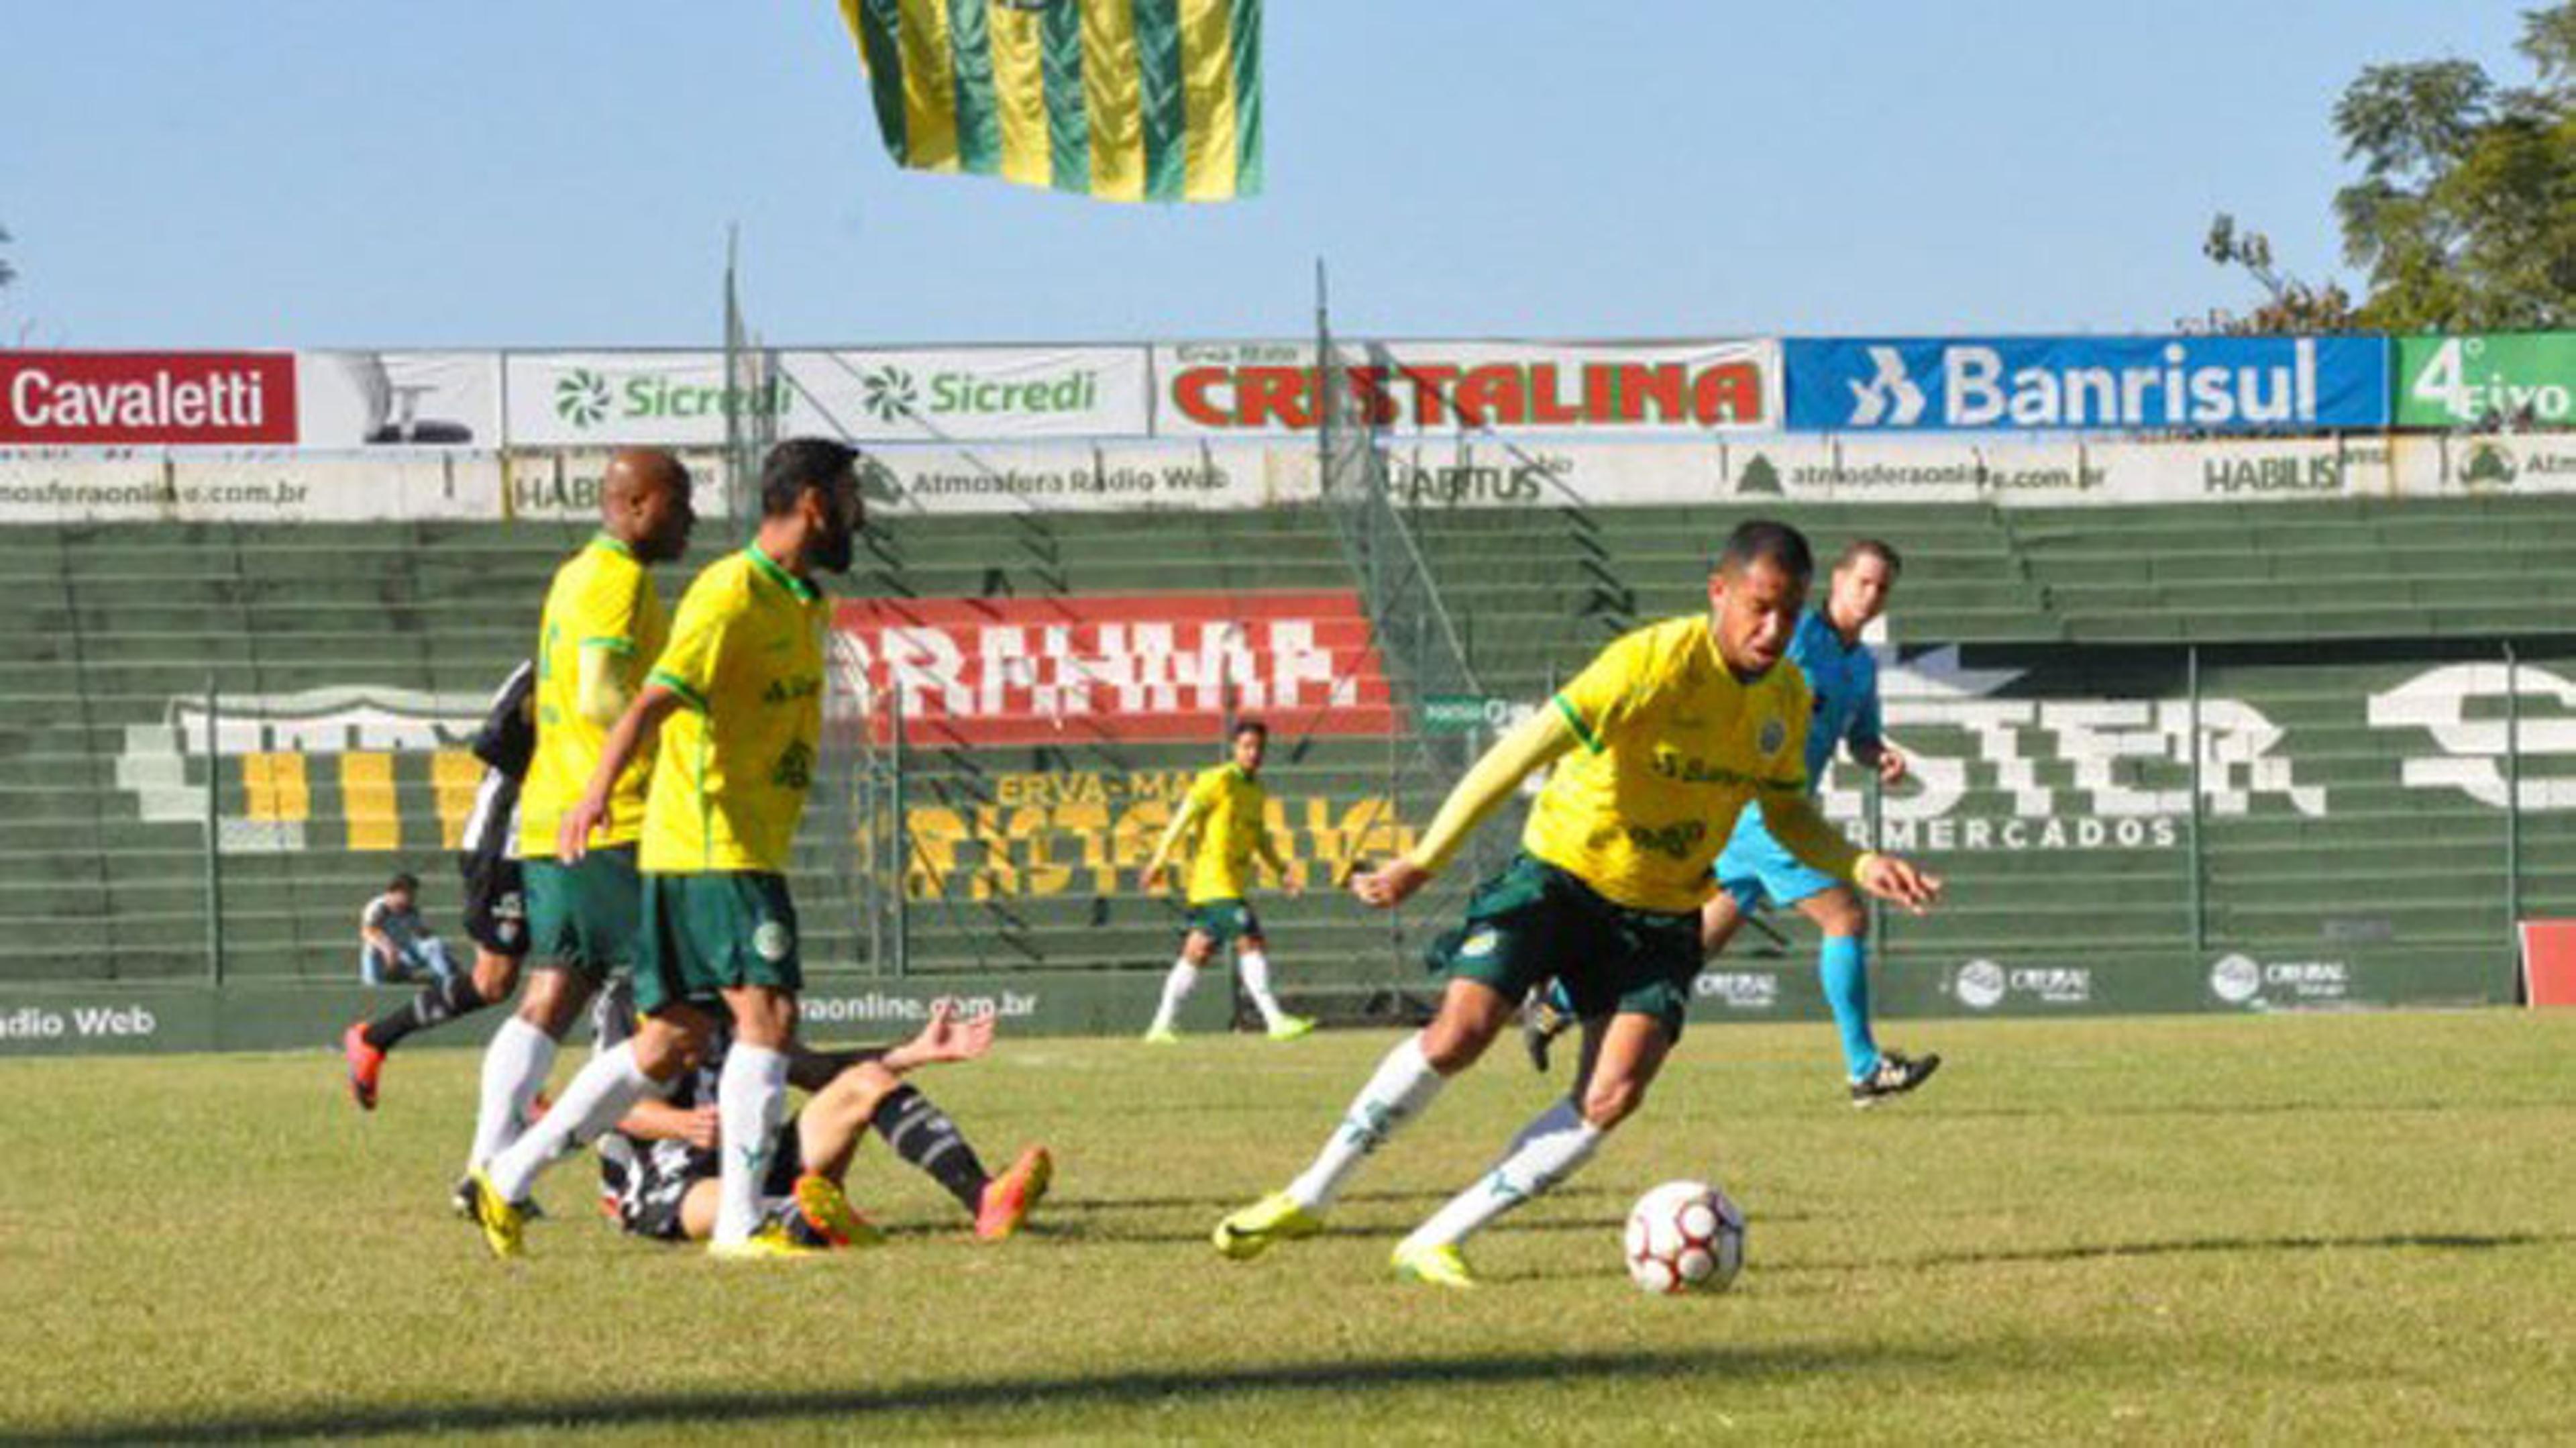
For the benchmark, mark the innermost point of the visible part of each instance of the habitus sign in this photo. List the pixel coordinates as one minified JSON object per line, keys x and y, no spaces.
{"x":2106,"y":384}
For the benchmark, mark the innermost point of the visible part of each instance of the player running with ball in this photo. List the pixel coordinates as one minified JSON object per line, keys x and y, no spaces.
{"x":1659,"y":744}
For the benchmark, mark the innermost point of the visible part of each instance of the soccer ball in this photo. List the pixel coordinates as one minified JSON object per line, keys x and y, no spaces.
{"x":1685,"y":1237}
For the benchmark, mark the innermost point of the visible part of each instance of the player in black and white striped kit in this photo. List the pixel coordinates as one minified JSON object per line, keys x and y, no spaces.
{"x":495,"y":899}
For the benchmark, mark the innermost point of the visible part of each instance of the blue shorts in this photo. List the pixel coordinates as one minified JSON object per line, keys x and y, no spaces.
{"x":1756,"y":867}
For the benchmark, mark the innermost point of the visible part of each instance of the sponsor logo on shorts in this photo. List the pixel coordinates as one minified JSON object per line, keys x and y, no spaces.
{"x":1478,"y":945}
{"x":773,"y":940}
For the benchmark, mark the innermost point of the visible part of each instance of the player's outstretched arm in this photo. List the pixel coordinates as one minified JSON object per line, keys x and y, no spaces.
{"x":1533,"y":742}
{"x":651,"y":707}
{"x":947,"y":1036}
{"x":1172,"y":835}
{"x":1793,"y":819}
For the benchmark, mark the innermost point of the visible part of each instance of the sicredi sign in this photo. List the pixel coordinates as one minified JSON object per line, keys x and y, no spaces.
{"x":2099,"y":384}
{"x":686,"y":399}
{"x":113,"y":399}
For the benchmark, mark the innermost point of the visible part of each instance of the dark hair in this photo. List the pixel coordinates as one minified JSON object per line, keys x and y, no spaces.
{"x":1760,"y":540}
{"x":797,"y":465}
{"x":1250,"y":726}
{"x":1879,"y":548}
{"x":404,"y":881}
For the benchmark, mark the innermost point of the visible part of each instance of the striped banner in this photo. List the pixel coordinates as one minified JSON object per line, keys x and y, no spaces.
{"x":1125,"y":100}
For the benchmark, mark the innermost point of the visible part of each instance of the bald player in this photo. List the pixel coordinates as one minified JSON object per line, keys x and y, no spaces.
{"x":602,"y":628}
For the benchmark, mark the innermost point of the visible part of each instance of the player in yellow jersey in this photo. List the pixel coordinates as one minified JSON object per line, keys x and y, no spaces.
{"x":1659,"y":745}
{"x":1228,"y":810}
{"x":602,"y":625}
{"x":735,"y":702}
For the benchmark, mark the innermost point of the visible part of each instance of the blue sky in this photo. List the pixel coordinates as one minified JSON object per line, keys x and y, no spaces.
{"x":351,"y":172}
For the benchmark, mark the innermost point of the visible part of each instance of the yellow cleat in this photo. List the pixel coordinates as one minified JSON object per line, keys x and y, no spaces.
{"x":502,"y":1222}
{"x":1291,"y":1027}
{"x":769,"y":1242}
{"x":1275,"y":1218}
{"x":1441,"y":1266}
{"x":829,"y":1218}
{"x":1162,"y":1036}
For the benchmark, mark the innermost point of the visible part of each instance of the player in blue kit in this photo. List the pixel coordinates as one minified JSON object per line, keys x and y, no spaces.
{"x":1755,"y":869}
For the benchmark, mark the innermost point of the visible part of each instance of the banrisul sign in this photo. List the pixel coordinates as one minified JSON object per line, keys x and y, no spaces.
{"x":2098,"y":384}
{"x":2521,"y":379}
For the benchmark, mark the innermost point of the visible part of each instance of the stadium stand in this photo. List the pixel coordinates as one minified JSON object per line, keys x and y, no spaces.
{"x":111,"y":635}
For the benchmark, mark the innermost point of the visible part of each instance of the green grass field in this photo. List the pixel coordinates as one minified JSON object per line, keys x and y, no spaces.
{"x":2269,"y":1229}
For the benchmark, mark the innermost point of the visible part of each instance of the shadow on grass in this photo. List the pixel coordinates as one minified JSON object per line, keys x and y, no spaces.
{"x":2083,"y":1252}
{"x":1140,"y":1389}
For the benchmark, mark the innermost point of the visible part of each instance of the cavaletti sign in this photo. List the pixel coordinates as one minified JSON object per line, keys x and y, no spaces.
{"x":116,"y":399}
{"x":1235,"y":389}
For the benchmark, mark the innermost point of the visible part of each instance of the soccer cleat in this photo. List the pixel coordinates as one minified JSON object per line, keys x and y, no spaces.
{"x":769,"y":1242}
{"x":1008,"y":1197}
{"x":1441,"y":1266}
{"x":502,"y":1222}
{"x":818,"y":1215}
{"x":1275,"y":1218}
{"x":1893,"y":1076}
{"x":366,"y":1063}
{"x":1541,"y":1024}
{"x":1162,"y":1036}
{"x":1289,"y":1028}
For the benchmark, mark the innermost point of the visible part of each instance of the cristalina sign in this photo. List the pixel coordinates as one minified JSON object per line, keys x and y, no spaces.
{"x":1080,"y":668}
{"x":1232,"y":389}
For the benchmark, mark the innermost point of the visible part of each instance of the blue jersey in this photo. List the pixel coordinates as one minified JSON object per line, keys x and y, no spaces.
{"x":1845,"y":684}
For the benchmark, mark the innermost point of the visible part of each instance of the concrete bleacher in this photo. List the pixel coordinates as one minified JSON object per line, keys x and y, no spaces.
{"x":104,"y":629}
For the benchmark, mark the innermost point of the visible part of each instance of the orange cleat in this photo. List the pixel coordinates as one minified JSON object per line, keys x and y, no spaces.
{"x":366,"y":1063}
{"x":1009,"y":1197}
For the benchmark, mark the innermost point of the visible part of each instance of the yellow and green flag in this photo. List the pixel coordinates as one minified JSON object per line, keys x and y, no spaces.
{"x":1126,"y":100}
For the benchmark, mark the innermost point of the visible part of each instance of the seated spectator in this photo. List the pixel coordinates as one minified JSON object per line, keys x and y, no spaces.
{"x":395,"y":943}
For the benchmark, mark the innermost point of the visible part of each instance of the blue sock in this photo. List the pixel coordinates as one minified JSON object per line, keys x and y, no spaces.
{"x":1844,"y":964}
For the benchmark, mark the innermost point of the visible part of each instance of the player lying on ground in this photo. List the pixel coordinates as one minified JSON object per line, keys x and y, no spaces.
{"x":665,"y":1186}
{"x":1229,"y":811}
{"x":1756,"y":869}
{"x":1674,"y":726}
{"x":495,"y":908}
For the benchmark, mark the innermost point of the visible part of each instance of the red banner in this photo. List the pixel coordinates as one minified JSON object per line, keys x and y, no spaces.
{"x":1096,"y":667}
{"x":117,"y":398}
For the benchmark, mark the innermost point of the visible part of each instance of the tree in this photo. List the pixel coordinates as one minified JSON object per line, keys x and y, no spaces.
{"x":2294,"y":307}
{"x":2464,"y":217}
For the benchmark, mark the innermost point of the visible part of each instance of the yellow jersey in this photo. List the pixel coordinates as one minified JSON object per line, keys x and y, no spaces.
{"x":601,"y":598}
{"x":1670,"y":749}
{"x":1232,"y":813}
{"x":736,"y":761}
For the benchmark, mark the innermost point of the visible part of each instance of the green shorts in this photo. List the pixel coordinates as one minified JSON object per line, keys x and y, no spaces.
{"x":583,"y":917}
{"x":1533,"y":920}
{"x":1222,"y":921}
{"x":702,"y":935}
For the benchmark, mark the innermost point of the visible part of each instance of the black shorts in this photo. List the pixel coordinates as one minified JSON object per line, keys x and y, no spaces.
{"x":650,"y":1192}
{"x":496,"y":905}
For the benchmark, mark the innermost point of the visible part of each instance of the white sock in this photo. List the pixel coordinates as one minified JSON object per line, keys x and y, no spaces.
{"x":1551,"y":1148}
{"x":751,"y":1101}
{"x":594,"y":1101}
{"x":515,"y":1067}
{"x":1255,"y":968}
{"x":1176,"y":989}
{"x":1401,"y":1089}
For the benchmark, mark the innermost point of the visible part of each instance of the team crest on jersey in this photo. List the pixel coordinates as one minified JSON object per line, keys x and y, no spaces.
{"x":1774,"y":735}
{"x":773,"y":941}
